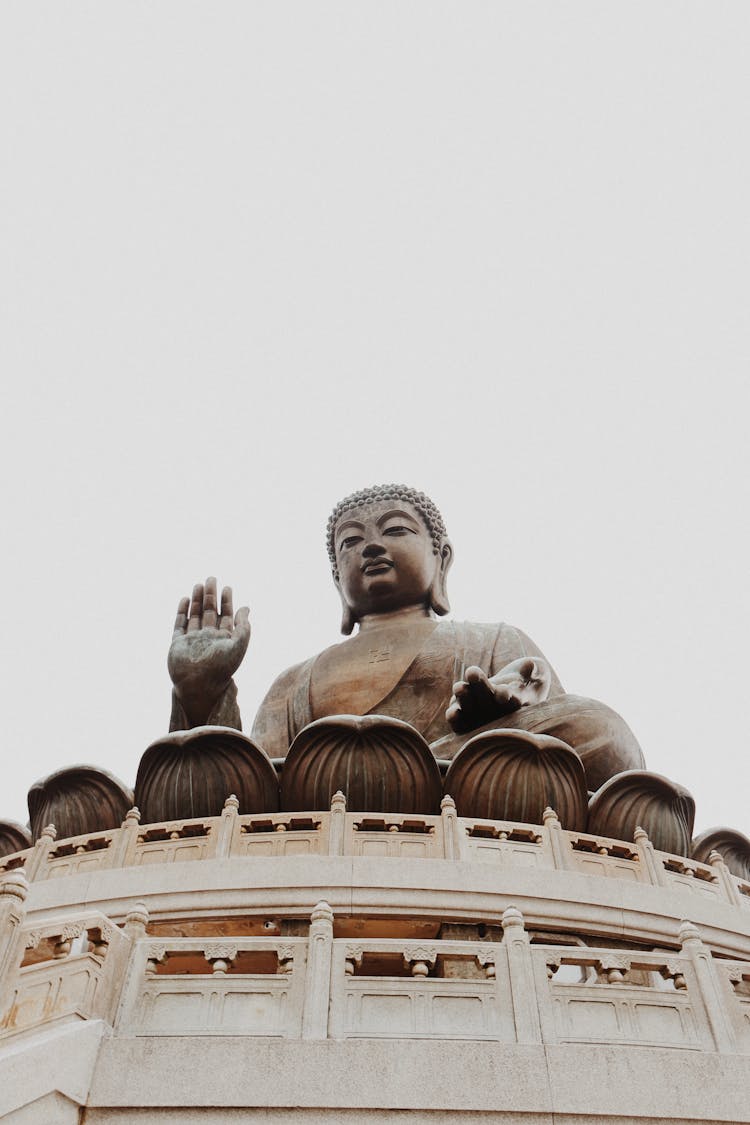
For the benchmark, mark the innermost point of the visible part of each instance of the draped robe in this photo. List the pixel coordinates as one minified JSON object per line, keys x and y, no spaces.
{"x":421,"y":693}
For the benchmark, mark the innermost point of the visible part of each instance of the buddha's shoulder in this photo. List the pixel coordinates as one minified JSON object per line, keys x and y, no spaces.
{"x":497,"y":634}
{"x":478,"y":628}
{"x":291,"y":676}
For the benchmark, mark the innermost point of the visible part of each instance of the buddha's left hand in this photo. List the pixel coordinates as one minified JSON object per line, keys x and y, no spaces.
{"x":479,"y":698}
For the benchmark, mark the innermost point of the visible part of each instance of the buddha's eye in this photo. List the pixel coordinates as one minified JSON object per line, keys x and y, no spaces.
{"x":349,"y":541}
{"x":399,"y":529}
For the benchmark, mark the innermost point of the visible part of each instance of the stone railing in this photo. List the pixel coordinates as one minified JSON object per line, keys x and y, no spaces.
{"x":320,"y":986}
{"x":66,"y":970}
{"x":338,"y":833}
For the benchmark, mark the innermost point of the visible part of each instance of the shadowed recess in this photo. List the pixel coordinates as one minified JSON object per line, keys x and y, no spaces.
{"x":380,"y":764}
{"x":638,"y":798}
{"x":191,"y":773}
{"x":515,"y":775}
{"x":77,"y":800}
{"x":732,"y":846}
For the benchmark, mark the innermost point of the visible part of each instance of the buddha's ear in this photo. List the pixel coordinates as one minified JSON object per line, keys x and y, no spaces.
{"x":439,"y":603}
{"x":348,"y":620}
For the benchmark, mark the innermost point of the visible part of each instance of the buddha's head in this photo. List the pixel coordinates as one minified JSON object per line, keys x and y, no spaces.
{"x":389,"y":551}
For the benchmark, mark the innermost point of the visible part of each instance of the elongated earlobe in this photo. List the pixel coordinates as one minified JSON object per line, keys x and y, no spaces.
{"x":439,"y":603}
{"x":348,"y":620}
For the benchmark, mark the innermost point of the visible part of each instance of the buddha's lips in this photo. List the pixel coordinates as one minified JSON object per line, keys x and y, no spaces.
{"x":376,"y":565}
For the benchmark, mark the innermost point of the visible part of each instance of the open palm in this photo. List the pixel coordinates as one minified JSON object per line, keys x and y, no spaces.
{"x":207,"y":648}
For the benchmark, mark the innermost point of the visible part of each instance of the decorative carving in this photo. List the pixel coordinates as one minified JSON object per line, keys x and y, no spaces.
{"x":737,"y":975}
{"x":285,"y":954}
{"x":663,"y":809}
{"x":485,"y":958}
{"x":71,"y":930}
{"x":381,"y":764}
{"x":515,"y":775}
{"x":191,"y":773}
{"x":13,"y":838}
{"x":223,"y":951}
{"x":421,"y":958}
{"x":220,"y":955}
{"x":78,"y":800}
{"x":100,"y":938}
{"x":674,"y":970}
{"x":157,"y":954}
{"x":353,"y":955}
{"x":614,"y":966}
{"x":732,"y":846}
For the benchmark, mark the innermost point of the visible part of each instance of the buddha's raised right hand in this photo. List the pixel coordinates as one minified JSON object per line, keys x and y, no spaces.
{"x":207,"y":648}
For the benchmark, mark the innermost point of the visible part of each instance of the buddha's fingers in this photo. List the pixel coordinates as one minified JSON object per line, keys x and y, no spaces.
{"x":210,"y":615}
{"x":180,"y":621}
{"x":242,"y":626}
{"x":527,"y":668}
{"x":456,"y":718}
{"x":227,"y":610}
{"x":196,"y":608}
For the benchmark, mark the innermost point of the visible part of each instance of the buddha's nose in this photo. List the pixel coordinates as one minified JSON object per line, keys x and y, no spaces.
{"x":372,"y":548}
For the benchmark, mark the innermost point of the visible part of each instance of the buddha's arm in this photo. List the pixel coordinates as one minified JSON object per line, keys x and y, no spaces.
{"x":225,"y":712}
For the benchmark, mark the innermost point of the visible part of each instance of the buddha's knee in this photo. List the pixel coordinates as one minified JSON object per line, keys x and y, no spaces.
{"x":602,"y":739}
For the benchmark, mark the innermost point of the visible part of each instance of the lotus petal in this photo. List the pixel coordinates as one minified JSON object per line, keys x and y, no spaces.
{"x":380,"y":764}
{"x":639,"y":798}
{"x":514,"y":775}
{"x":78,"y":800}
{"x":13,"y":838}
{"x":191,"y":773}
{"x":732,"y":846}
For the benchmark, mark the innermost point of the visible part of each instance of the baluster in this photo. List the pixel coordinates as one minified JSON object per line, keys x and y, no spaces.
{"x":318,"y":976}
{"x":522,"y":984}
{"x":227,"y":827}
{"x":337,"y":824}
{"x":652,"y":866}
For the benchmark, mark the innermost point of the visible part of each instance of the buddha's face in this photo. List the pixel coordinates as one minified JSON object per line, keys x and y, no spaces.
{"x":386,"y":558}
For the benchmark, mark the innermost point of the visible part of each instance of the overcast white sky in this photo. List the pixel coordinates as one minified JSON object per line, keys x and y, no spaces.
{"x":257,"y":255}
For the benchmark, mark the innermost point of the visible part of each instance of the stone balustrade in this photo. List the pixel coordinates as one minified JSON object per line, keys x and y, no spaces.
{"x":507,"y":845}
{"x":519,"y":989}
{"x":70,"y":969}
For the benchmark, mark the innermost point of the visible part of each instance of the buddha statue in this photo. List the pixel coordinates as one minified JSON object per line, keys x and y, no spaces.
{"x":390,"y":557}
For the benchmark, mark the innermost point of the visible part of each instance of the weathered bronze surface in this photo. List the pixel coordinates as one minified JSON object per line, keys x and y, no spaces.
{"x":732,"y":846}
{"x":13,"y":837}
{"x":390,"y":557}
{"x":638,"y":798}
{"x":514,"y":775}
{"x":189,"y":774}
{"x":77,"y":800}
{"x":380,"y":764}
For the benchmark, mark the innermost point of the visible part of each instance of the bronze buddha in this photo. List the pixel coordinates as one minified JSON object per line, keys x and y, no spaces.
{"x":390,"y":556}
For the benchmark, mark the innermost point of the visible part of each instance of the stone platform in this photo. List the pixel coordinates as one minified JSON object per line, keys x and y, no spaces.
{"x":334,"y":966}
